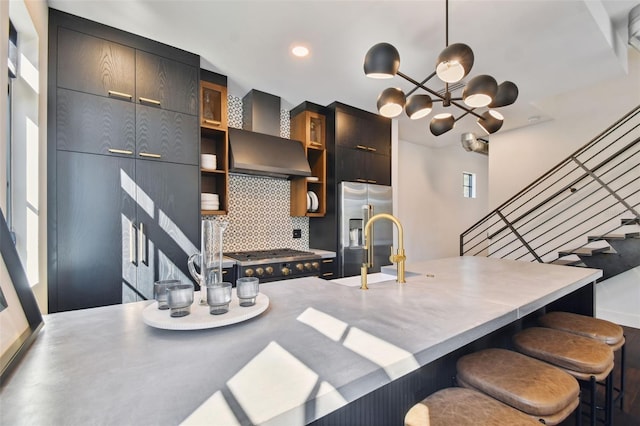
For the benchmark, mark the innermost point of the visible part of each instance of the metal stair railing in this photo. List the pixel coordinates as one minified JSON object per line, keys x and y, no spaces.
{"x":584,"y":195}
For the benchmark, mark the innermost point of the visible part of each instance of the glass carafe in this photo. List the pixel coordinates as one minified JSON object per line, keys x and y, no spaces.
{"x":209,"y":259}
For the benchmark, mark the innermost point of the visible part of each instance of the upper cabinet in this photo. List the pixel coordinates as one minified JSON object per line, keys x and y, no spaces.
{"x":166,"y":83}
{"x":93,"y":65}
{"x":362,"y":145}
{"x":309,"y":195}
{"x":213,"y":105}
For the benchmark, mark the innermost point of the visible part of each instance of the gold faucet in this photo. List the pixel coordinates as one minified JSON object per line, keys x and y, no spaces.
{"x":397,"y":258}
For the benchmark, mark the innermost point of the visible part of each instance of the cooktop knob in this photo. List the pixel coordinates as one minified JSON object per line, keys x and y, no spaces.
{"x":285,"y":271}
{"x":307,"y":266}
{"x":269,"y":270}
{"x":300,"y":267}
{"x":248,"y":272}
{"x":316,"y":265}
{"x":259,"y":272}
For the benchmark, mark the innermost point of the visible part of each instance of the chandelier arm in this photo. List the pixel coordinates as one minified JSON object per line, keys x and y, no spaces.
{"x":434,"y":93}
{"x":463,"y":115}
{"x":421,"y":83}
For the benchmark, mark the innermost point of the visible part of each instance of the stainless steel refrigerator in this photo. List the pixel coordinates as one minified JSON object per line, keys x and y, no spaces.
{"x":358,"y":202}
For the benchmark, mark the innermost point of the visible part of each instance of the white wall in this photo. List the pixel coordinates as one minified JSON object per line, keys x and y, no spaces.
{"x":430,"y":205}
{"x":31,"y":18}
{"x":520,"y":156}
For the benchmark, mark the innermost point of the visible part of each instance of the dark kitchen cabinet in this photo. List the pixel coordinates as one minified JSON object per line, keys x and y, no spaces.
{"x":361,"y":145}
{"x":93,"y":206}
{"x":354,"y":165}
{"x":166,"y":229}
{"x":167,"y":84}
{"x":328,"y":268}
{"x":166,"y":135}
{"x":94,"y":65}
{"x":94,"y":124}
{"x":123,"y":163}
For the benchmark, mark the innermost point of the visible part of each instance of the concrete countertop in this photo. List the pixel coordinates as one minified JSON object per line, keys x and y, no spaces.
{"x":323,"y":253}
{"x":319,"y":346}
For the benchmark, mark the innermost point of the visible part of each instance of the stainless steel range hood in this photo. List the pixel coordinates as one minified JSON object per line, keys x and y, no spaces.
{"x":258,"y":149}
{"x":266,"y":155}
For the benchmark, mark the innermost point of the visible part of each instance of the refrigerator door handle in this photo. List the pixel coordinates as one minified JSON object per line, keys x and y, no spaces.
{"x":369,"y":215}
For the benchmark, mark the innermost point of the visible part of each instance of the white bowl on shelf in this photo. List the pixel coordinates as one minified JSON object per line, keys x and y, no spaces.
{"x":209,"y":197}
{"x":208,"y":161}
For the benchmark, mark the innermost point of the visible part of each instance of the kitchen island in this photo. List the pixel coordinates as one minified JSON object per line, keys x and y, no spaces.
{"x":321,"y":352}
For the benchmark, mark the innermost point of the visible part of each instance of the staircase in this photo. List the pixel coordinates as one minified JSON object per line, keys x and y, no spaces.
{"x":583,"y":212}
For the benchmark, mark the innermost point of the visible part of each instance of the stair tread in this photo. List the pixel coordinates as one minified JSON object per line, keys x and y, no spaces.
{"x":567,"y":262}
{"x":615,"y":236}
{"x":585,"y":251}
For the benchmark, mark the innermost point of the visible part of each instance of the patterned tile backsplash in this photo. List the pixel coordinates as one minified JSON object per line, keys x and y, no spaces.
{"x":258,"y":213}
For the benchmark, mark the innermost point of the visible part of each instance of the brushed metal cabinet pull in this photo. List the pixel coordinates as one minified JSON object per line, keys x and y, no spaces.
{"x":148,"y":101}
{"x":372,"y":181}
{"x":120,"y":151}
{"x":361,"y":180}
{"x":327,"y":261}
{"x":120,"y":94}
{"x":372,"y":149}
{"x":142,"y":244}
{"x":327,"y":274}
{"x":150,"y":155}
{"x":361,"y":147}
{"x":132,"y":246}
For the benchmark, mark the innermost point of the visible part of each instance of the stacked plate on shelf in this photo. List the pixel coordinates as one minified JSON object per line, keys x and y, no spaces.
{"x":312,"y":201}
{"x":208,"y":161}
{"x":209,"y":201}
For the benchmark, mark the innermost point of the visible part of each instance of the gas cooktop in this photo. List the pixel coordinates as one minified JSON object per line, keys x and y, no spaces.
{"x":271,"y":255}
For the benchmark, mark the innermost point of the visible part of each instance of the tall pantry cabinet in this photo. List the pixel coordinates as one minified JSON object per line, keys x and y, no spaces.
{"x":123,"y":163}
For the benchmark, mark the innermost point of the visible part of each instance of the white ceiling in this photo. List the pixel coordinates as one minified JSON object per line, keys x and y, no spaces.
{"x":546,"y":47}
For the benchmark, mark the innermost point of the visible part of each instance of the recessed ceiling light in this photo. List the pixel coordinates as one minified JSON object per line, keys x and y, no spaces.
{"x":300,"y":51}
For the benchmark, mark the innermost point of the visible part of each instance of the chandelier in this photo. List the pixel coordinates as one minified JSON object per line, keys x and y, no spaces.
{"x":452,"y":65}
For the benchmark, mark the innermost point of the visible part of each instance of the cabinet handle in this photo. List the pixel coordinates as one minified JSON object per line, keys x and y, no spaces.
{"x":212,"y":122}
{"x":120,"y":94}
{"x":224,"y":272}
{"x":132,"y":246}
{"x":372,"y":181}
{"x":361,"y":147}
{"x":327,"y":274}
{"x":150,"y":155}
{"x":149,"y":101}
{"x":120,"y":151}
{"x":369,"y":148}
{"x":361,"y":180}
{"x":327,"y":261}
{"x":142,"y":245}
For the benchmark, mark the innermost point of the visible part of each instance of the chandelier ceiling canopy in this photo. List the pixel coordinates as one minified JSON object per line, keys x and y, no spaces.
{"x":452,"y":65}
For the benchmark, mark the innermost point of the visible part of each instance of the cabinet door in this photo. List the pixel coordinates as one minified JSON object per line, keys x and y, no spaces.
{"x":168,"y":214}
{"x":94,"y":65}
{"x":378,"y":169}
{"x":347,"y":129}
{"x":171,"y":135}
{"x":350,"y":165}
{"x":94,"y":124}
{"x":166,"y":83}
{"x":95,"y":213}
{"x":376,"y":134}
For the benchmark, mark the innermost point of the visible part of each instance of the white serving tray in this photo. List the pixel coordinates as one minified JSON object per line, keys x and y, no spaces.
{"x":200,"y":318}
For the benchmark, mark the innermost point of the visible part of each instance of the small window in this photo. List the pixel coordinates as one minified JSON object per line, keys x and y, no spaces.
{"x":468,"y":185}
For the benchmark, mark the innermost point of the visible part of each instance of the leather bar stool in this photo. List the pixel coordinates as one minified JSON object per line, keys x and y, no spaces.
{"x":464,"y":407}
{"x":544,"y":392}
{"x":585,"y":359}
{"x":605,"y":331}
